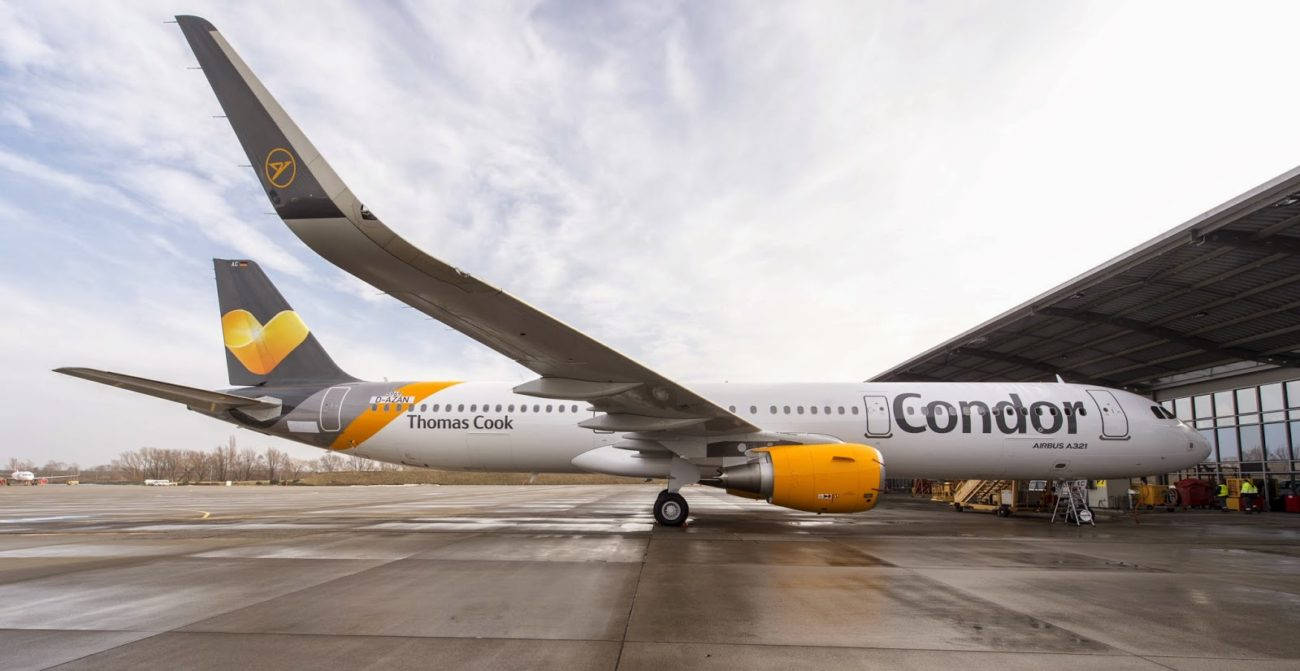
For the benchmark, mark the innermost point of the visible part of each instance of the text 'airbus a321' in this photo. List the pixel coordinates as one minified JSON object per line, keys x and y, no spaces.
{"x":812,"y":447}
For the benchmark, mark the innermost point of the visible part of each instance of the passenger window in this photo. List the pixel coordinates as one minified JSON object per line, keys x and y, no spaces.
{"x":523,"y":408}
{"x":841,"y":410}
{"x":753,"y":410}
{"x":374,"y":406}
{"x":813,"y":409}
{"x":854,"y":409}
{"x":827,"y":410}
{"x":385,"y":407}
{"x":473,"y":408}
{"x":773,"y":410}
{"x":537,"y":408}
{"x":786,"y":409}
{"x":460,"y":408}
{"x":424,"y":407}
{"x":731,"y":408}
{"x":574,"y":408}
{"x":510,"y":408}
{"x":548,"y":408}
{"x":799,"y":409}
{"x":498,"y":407}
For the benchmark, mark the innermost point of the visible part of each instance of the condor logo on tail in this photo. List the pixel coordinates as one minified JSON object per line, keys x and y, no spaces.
{"x":261,"y":348}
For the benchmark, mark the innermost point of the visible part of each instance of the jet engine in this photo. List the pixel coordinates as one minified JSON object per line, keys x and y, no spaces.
{"x":830,"y":478}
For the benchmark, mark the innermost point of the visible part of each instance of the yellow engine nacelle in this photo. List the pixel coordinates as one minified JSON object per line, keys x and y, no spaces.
{"x":830,"y":478}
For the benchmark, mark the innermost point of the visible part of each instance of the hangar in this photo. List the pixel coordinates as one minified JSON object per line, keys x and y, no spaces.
{"x":1204,"y":319}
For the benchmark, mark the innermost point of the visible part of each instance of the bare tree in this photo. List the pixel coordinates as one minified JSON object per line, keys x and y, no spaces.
{"x":294,"y":469}
{"x":329,"y":463}
{"x":275,"y":464}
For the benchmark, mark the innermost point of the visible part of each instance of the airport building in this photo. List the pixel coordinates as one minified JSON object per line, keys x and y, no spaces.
{"x":1204,"y":319}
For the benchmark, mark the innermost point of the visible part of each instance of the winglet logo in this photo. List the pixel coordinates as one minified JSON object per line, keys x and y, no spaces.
{"x":262,"y":348}
{"x":280,"y":168}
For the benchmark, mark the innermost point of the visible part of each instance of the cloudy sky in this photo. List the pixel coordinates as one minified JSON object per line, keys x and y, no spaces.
{"x":759,"y":191}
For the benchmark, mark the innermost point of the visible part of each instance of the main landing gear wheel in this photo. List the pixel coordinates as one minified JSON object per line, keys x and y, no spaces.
{"x":671,"y":509}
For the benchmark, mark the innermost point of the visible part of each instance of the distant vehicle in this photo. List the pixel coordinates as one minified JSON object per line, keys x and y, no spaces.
{"x":30,"y":478}
{"x":160,"y":483}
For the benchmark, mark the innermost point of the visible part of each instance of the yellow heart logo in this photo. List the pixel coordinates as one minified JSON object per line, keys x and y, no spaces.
{"x":262,"y":348}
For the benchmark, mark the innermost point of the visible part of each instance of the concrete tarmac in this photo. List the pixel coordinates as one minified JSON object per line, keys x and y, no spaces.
{"x":579,"y":577}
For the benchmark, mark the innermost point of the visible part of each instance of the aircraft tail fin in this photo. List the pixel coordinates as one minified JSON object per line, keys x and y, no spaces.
{"x":266,"y":341}
{"x":297,"y":180}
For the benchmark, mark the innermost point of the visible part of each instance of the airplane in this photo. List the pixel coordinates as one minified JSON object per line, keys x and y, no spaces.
{"x":30,"y":478}
{"x":812,"y":447}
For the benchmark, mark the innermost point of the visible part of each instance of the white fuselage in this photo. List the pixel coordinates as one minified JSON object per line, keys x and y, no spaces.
{"x":923,"y":430}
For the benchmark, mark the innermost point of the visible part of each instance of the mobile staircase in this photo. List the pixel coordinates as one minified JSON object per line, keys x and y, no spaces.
{"x":998,"y":496}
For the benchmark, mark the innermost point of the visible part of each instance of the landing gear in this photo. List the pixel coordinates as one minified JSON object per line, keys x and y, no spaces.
{"x":671,"y":509}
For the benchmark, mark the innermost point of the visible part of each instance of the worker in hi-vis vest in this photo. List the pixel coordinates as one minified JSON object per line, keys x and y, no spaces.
{"x":1248,"y":494}
{"x":1221,"y":496}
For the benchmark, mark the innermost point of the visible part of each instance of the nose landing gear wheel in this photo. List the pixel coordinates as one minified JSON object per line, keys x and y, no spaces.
{"x":671,"y":509}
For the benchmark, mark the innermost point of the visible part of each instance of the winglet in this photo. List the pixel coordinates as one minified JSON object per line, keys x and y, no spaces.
{"x":298,"y":182}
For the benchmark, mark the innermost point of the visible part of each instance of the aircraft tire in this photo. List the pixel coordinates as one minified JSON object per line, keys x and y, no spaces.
{"x":671,"y":509}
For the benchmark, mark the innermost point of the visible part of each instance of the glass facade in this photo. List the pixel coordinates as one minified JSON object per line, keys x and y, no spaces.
{"x":1253,"y":429}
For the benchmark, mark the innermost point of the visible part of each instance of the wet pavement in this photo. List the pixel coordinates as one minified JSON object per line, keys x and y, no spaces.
{"x":579,"y":577}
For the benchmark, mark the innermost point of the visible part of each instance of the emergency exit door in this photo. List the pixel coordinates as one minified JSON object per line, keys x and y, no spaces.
{"x":1114,"y":423}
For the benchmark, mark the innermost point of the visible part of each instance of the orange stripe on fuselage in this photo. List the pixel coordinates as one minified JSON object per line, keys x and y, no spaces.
{"x":369,"y":422}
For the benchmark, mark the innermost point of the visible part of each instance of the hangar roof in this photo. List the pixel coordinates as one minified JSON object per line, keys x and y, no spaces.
{"x":1220,"y":290}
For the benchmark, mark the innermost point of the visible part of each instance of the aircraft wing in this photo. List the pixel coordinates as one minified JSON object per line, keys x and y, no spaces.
{"x":312,"y":200}
{"x":199,"y":399}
